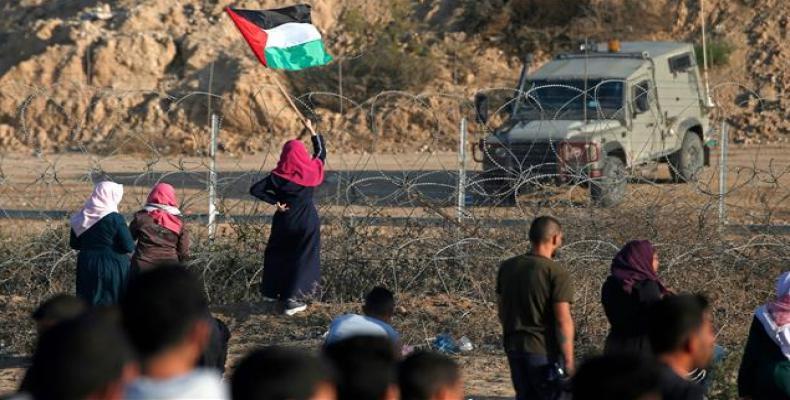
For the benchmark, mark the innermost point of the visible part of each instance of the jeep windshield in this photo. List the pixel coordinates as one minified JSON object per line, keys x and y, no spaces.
{"x":565,"y":99}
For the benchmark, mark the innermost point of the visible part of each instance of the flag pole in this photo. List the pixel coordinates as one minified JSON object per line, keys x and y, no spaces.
{"x":285,"y":94}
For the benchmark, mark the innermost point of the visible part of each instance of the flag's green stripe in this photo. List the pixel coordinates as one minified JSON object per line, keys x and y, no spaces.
{"x":305,"y":55}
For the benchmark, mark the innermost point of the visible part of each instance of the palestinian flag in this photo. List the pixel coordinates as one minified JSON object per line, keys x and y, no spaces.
{"x":283,"y":38}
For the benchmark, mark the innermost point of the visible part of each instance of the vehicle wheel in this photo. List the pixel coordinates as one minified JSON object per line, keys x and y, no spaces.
{"x":609,"y":189}
{"x":686,"y":164}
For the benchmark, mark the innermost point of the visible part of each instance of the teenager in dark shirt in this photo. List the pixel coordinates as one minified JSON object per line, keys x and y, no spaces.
{"x":627,"y":294}
{"x":681,"y":335}
{"x":534,"y":296}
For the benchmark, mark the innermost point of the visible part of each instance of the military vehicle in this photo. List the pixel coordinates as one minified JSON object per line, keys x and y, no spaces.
{"x":595,"y":116}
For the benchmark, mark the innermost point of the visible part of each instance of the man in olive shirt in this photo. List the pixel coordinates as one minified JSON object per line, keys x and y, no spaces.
{"x":534,"y":295}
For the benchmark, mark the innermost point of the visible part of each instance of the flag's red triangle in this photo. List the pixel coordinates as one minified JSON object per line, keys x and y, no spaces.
{"x":253,"y":34}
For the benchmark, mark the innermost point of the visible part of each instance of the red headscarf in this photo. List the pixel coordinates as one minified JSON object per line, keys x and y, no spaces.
{"x":634,"y":263}
{"x":162,"y":207}
{"x":298,"y":166}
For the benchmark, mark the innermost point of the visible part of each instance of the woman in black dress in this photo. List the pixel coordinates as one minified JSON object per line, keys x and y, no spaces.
{"x":291,"y":262}
{"x":630,"y":290}
{"x":100,"y":234}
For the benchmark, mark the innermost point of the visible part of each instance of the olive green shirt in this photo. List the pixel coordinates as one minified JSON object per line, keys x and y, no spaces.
{"x":528,"y":286}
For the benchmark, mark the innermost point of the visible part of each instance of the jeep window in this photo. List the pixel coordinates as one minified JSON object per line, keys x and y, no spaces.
{"x":565,"y":99}
{"x":641,"y":95}
{"x":680,"y":63}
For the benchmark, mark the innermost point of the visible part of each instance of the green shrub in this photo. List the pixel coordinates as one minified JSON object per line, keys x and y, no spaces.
{"x":388,"y":58}
{"x":719,"y":52}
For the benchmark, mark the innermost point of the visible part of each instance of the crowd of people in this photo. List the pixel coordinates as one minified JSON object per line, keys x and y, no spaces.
{"x":140,"y":327}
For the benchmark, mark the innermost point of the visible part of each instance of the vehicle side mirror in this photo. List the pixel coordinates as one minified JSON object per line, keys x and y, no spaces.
{"x":641,"y":100}
{"x":481,"y":108}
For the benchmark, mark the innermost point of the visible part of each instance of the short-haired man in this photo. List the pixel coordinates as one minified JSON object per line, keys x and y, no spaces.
{"x":378,"y":310}
{"x":535,"y":295}
{"x":430,"y":376}
{"x":365,"y":368}
{"x":278,"y":373}
{"x":82,"y":358}
{"x":165,"y":314}
{"x":681,"y":335}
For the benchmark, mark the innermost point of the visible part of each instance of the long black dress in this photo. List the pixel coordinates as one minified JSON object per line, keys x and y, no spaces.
{"x":760,"y":358}
{"x":627,"y":315}
{"x":103,"y":261}
{"x":291,"y":261}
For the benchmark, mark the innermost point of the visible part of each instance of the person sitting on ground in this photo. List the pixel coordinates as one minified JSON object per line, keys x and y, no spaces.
{"x":378,"y":310}
{"x":627,"y":294}
{"x":430,"y":376}
{"x":681,"y":335}
{"x":278,"y":373}
{"x":625,"y":376}
{"x":159,"y":230}
{"x":58,"y":308}
{"x":82,"y":358}
{"x":165,"y":314}
{"x":365,"y":368}
{"x":534,"y":301}
{"x":767,"y":347}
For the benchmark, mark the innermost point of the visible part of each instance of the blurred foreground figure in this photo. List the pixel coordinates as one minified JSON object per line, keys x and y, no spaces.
{"x":682,"y":337}
{"x":277,"y":373}
{"x":617,"y":377}
{"x":765,"y":371}
{"x":165,"y":314}
{"x":430,"y":376}
{"x":56,"y":309}
{"x":365,"y":367}
{"x":81,"y":359}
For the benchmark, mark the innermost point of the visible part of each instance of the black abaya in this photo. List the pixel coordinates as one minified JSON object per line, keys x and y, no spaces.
{"x":291,"y":261}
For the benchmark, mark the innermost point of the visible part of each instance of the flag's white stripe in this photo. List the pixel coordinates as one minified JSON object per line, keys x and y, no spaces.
{"x":291,"y":34}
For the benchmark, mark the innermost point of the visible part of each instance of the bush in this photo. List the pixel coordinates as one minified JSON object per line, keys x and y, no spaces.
{"x":718,"y":53}
{"x":392,"y":58}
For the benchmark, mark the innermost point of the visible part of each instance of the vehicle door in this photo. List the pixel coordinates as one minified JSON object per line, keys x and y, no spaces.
{"x":645,"y":128}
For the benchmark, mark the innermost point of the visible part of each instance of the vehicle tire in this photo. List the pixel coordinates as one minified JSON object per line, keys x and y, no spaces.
{"x":609,"y":189}
{"x":686,"y":164}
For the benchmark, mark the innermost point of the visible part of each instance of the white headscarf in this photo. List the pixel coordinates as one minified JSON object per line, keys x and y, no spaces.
{"x":104,"y":200}
{"x":773,"y":315}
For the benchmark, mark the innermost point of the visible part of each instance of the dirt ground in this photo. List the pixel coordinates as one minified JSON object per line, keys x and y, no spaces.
{"x":60,"y":182}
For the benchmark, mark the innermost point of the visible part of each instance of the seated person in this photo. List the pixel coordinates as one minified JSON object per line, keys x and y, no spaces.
{"x":278,"y":373}
{"x":378,"y":310}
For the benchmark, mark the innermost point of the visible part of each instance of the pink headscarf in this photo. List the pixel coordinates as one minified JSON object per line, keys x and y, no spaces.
{"x":162,"y":206}
{"x":298,"y":166}
{"x":103,"y":201}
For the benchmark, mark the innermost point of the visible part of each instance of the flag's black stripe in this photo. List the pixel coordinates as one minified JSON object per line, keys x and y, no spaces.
{"x":268,"y":19}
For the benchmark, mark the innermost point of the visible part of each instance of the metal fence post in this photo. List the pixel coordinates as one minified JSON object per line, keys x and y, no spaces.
{"x":462,"y":171}
{"x":723,"y":149}
{"x":212,"y":178}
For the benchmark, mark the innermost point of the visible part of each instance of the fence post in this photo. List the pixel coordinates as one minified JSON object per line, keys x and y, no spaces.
{"x":212,"y":178}
{"x":462,"y":171}
{"x":723,"y":149}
